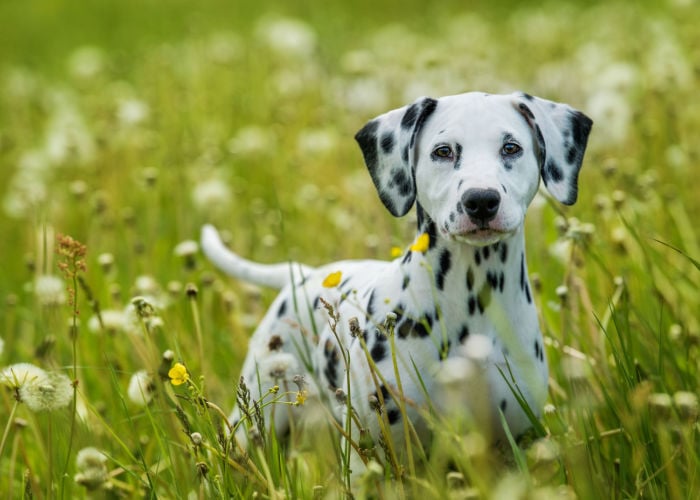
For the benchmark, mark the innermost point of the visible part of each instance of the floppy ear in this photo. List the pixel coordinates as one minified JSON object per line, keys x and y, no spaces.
{"x":562,"y":134}
{"x":387,"y":144}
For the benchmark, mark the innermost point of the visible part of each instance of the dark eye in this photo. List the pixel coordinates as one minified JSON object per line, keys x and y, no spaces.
{"x":511,"y":148}
{"x":443,"y":153}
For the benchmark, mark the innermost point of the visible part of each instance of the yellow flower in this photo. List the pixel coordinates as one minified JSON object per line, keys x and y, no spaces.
{"x":178,"y":374}
{"x":301,"y":398}
{"x":332,"y":279}
{"x":396,"y":252}
{"x":421,"y":244}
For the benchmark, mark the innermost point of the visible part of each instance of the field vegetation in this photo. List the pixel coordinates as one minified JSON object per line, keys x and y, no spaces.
{"x":125,"y":126}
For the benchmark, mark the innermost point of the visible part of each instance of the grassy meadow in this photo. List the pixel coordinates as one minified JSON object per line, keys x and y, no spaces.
{"x":125,"y":126}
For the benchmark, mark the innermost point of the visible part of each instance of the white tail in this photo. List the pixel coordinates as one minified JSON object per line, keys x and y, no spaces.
{"x":270,"y":275}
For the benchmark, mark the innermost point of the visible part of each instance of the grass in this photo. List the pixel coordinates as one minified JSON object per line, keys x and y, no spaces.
{"x":129,"y":125}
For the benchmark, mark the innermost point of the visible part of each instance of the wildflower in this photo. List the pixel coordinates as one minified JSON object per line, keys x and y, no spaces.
{"x":686,"y":404}
{"x":187,"y":248}
{"x":421,"y":244}
{"x":301,"y":397}
{"x":178,"y":374}
{"x":106,"y":261}
{"x":50,"y":290}
{"x":332,"y":280}
{"x":196,"y":438}
{"x":112,"y":322}
{"x":395,"y":252}
{"x":48,"y":393}
{"x":252,"y":140}
{"x":211,"y":193}
{"x":141,"y":388}
{"x":20,"y":373}
{"x":133,"y":111}
{"x":288,"y":37}
{"x":86,"y":62}
{"x":91,"y":464}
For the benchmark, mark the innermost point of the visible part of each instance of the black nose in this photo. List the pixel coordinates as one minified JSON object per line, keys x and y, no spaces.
{"x":481,"y":204}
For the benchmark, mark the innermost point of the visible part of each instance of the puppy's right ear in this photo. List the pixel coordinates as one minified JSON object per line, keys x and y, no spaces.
{"x":388,"y":144}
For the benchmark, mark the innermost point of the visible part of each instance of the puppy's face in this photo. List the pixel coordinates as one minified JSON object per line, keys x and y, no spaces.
{"x":476,"y":167}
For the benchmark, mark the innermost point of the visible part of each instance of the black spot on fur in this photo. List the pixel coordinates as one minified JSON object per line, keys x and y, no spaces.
{"x":463,"y":334}
{"x":431,"y":229}
{"x":370,"y":304}
{"x":401,"y":181}
{"x":528,"y":97}
{"x":503,"y":250}
{"x":316,"y":301}
{"x":492,"y":279}
{"x":412,"y":328}
{"x":472,"y":305}
{"x":553,"y":171}
{"x":580,"y":128}
{"x":523,"y":278}
{"x":505,"y":191}
{"x":410,"y":116}
{"x":501,"y":281}
{"x":486,"y":252}
{"x":539,"y":352}
{"x":282,"y":309}
{"x":527,"y":293}
{"x":571,"y":155}
{"x":367,"y":139}
{"x":378,"y":351}
{"x":477,"y":257}
{"x":445,"y":263}
{"x":330,"y":351}
{"x":404,"y":154}
{"x":470,"y":279}
{"x":458,"y":156}
{"x":407,"y":257}
{"x":393,"y":415}
{"x":406,"y":281}
{"x":387,"y":142}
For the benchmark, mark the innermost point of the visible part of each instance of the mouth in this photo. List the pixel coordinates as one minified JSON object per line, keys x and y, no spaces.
{"x":482,"y":236}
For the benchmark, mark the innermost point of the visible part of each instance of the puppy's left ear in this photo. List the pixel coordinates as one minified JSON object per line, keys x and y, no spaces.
{"x":561,"y":133}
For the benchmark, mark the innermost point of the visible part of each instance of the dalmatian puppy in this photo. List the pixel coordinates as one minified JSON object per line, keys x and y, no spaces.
{"x":471,"y":164}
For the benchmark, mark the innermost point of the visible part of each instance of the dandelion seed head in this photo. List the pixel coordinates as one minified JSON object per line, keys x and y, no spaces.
{"x":19,"y":374}
{"x":186,"y":248}
{"x":287,"y":37}
{"x":210,"y":193}
{"x":92,"y":468}
{"x":48,"y":393}
{"x":252,"y":140}
{"x":132,"y":111}
{"x":112,"y":321}
{"x":50,"y":290}
{"x":86,"y":62}
{"x":141,"y":388}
